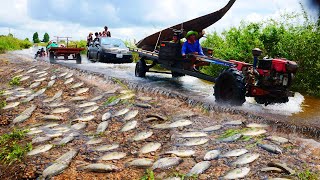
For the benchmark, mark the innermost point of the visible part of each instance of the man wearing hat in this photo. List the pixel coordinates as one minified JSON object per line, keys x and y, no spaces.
{"x":192,"y":46}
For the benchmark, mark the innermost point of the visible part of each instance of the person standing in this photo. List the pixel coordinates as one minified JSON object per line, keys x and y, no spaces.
{"x":89,"y":39}
{"x":106,"y":30}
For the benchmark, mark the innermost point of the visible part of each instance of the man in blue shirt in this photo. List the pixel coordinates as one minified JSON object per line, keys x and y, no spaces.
{"x":192,"y":46}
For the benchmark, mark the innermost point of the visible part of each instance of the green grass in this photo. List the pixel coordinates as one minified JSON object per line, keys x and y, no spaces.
{"x":308,"y":175}
{"x":9,"y":43}
{"x":15,"y":81}
{"x":13,"y":146}
{"x":148,"y":175}
{"x":111,"y":99}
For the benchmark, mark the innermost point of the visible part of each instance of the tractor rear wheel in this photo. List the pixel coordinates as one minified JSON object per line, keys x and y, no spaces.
{"x":230,"y":87}
{"x":141,"y":69}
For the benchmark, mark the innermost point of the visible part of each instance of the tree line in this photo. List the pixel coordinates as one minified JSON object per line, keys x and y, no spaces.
{"x":36,"y":39}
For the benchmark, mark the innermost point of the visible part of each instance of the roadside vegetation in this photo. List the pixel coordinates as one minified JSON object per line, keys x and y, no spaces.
{"x":294,"y":37}
{"x":10,"y":43}
{"x":13,"y":146}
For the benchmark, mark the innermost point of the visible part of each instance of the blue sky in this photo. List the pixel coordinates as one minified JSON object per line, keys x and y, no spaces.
{"x":126,"y":19}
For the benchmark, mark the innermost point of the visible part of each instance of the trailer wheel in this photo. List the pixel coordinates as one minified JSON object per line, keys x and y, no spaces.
{"x":141,"y":69}
{"x":266,"y":100}
{"x":78,"y":58}
{"x":230,"y":87}
{"x":51,"y":58}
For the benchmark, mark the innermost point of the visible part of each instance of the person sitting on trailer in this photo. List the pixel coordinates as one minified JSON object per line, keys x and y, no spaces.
{"x":108,"y":34}
{"x":100,"y":34}
{"x":53,"y":44}
{"x":89,"y":39}
{"x":192,"y":46}
{"x":97,"y":37}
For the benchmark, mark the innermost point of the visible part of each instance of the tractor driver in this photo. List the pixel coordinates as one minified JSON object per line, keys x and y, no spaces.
{"x":192,"y":46}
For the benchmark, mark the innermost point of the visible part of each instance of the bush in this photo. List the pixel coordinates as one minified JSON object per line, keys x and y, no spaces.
{"x":9,"y":43}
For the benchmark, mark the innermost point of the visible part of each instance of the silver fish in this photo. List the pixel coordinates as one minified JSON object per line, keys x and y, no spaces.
{"x":143,"y":105}
{"x":40,"y":80}
{"x":271,"y":148}
{"x":68,"y":76}
{"x":235,"y":153}
{"x":166,"y":163}
{"x":126,"y":92}
{"x":87,"y":104}
{"x":11,"y":105}
{"x":254,"y":132}
{"x":282,"y":166}
{"x":51,"y":125}
{"x":61,"y":129}
{"x":40,"y":92}
{"x":278,"y":139}
{"x":43,"y":75}
{"x":52,"y":117}
{"x":121,"y":112}
{"x":234,"y":123}
{"x":94,"y":141}
{"x":41,"y":72}
{"x":34,"y":85}
{"x":144,"y":98}
{"x":19,"y":71}
{"x":79,"y":126}
{"x":271,"y":169}
{"x":161,"y":126}
{"x":113,"y":156}
{"x":246,"y":159}
{"x":35,"y":131}
{"x":54,"y":135}
{"x":100,"y":167}
{"x":210,"y":155}
{"x":130,"y":115}
{"x":63,"y":74}
{"x":28,"y":99}
{"x":54,"y":105}
{"x":129,"y":126}
{"x":237,"y":173}
{"x":199,"y":168}
{"x":40,"y":149}
{"x":195,"y":142}
{"x":142,"y":136}
{"x":113,"y":103}
{"x":97,"y":98}
{"x":77,"y":85}
{"x":40,"y":139}
{"x":126,"y":96}
{"x":150,"y":119}
{"x":60,"y":110}
{"x":51,"y":83}
{"x":78,"y":98}
{"x":106,"y":116}
{"x":66,"y":140}
{"x":53,"y":77}
{"x":102,"y":127}
{"x":212,"y":128}
{"x":108,"y":147}
{"x":26,"y":114}
{"x":68,"y":81}
{"x":85,"y":118}
{"x":231,"y":138}
{"x":150,"y":147}
{"x":256,"y":125}
{"x":24,"y":78}
{"x":192,"y":135}
{"x":54,"y":169}
{"x":82,"y":90}
{"x":67,"y":157}
{"x":143,"y":162}
{"x":181,"y":153}
{"x":180,"y":123}
{"x":57,"y":95}
{"x":160,"y":117}
{"x":31,"y":70}
{"x":90,"y":109}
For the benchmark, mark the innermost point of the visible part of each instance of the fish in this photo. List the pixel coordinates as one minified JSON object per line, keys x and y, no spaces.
{"x":143,"y":105}
{"x":90,"y":109}
{"x":11,"y":105}
{"x":34,"y":85}
{"x":271,"y":148}
{"x":142,"y":162}
{"x":100,"y":167}
{"x":192,"y":135}
{"x":130,"y":115}
{"x":40,"y":149}
{"x":113,"y":156}
{"x":12,"y":98}
{"x":60,"y":110}
{"x":43,"y":75}
{"x":212,"y":128}
{"x":63,"y":74}
{"x":61,"y":129}
{"x":157,"y":116}
{"x":161,"y":126}
{"x":102,"y":127}
{"x":77,"y":85}
{"x":113,"y":103}
{"x":85,"y":118}
{"x":235,"y":153}
{"x":53,"y":77}
{"x":79,"y":126}
{"x":271,"y":169}
{"x":24,"y":78}
{"x":278,"y":139}
{"x":129,"y":126}
{"x":180,"y":123}
{"x":181,"y":153}
{"x":65,"y":140}
{"x":26,"y":114}
{"x":67,"y":157}
{"x":82,"y":90}
{"x":237,"y":173}
{"x":165,"y":163}
{"x":28,"y":99}
{"x":51,"y":83}
{"x":254,"y":132}
{"x":126,"y":96}
{"x":210,"y":155}
{"x":108,"y":147}
{"x":40,"y":139}
{"x":121,"y":112}
{"x":21,"y":95}
{"x":6,"y":93}
{"x":199,"y":168}
{"x":94,"y":141}
{"x":106,"y":116}
{"x":19,"y":71}
{"x":97,"y":98}
{"x":234,"y":123}
{"x":246,"y":159}
{"x":54,"y":135}
{"x":231,"y":138}
{"x":40,"y":80}
{"x":40,"y":92}
{"x":150,"y":119}
{"x":68,"y":81}
{"x":52,"y":117}
{"x":53,"y":105}
{"x":51,"y":125}
{"x":35,"y":131}
{"x":87,"y":104}
{"x":144,"y":98}
{"x":194,"y":142}
{"x":255,"y":125}
{"x":68,"y":76}
{"x":57,"y":95}
{"x":126,"y":92}
{"x":142,"y":135}
{"x":78,"y":98}
{"x":282,"y":166}
{"x":150,"y":147}
{"x":41,"y":72}
{"x":31,"y":70}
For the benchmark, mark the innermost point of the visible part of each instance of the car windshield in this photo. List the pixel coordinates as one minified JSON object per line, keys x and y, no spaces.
{"x":112,"y":42}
